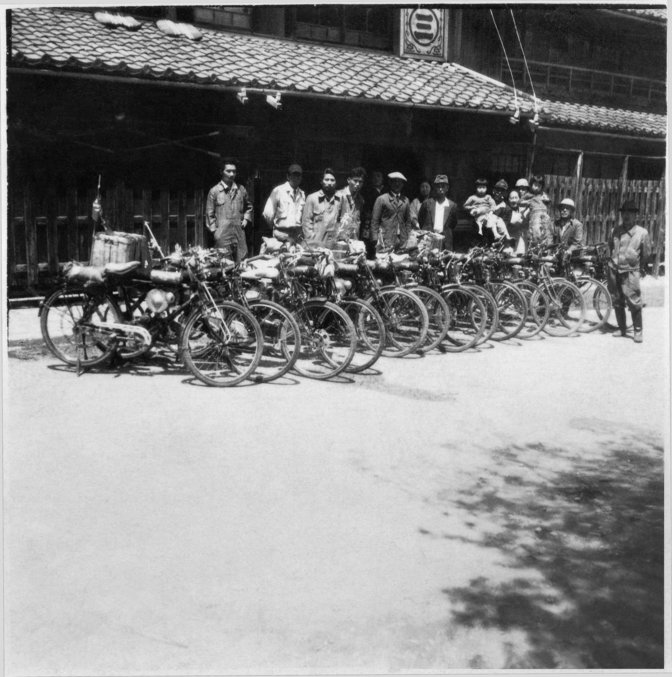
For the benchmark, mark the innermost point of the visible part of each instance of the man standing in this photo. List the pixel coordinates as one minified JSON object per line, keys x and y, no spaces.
{"x":371,"y":194}
{"x":630,"y":249}
{"x":391,"y":217}
{"x":567,"y":230}
{"x":438,"y":214}
{"x":353,"y":205}
{"x":284,"y":207}
{"x":228,"y":211}
{"x":322,"y":213}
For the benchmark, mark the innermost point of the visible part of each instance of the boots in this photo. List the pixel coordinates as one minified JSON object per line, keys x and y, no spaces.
{"x":620,"y":320}
{"x":637,"y":324}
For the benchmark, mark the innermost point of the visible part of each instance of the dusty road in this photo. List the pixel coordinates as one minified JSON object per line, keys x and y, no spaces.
{"x":496,"y":509}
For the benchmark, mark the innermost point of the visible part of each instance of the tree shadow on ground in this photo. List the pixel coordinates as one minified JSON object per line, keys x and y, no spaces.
{"x":585,"y":550}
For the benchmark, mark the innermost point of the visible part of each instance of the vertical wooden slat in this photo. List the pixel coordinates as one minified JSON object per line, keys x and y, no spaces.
{"x":72,"y":227}
{"x":31,"y":236}
{"x":182,"y":218}
{"x":199,"y":206}
{"x":52,"y":229}
{"x":11,"y":239}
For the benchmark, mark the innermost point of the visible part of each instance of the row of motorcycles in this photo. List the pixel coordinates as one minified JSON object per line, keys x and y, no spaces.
{"x":318,"y":313}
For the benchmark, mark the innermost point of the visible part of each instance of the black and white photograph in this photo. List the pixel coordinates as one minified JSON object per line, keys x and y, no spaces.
{"x":336,"y":339}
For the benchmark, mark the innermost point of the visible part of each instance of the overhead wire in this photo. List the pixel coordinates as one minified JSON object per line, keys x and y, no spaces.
{"x":516,"y":115}
{"x":527,"y":68}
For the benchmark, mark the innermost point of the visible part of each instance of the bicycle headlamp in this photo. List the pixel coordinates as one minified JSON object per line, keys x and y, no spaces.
{"x":158,"y":300}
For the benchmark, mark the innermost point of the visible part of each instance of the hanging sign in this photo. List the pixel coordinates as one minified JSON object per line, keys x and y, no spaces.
{"x":424,"y":33}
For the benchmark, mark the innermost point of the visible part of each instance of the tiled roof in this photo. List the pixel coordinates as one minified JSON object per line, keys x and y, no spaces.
{"x":75,"y":41}
{"x":562,"y":114}
{"x":69,"y":40}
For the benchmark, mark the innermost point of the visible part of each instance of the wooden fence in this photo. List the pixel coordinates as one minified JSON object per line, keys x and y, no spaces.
{"x":46,"y":229}
{"x":598,"y":202}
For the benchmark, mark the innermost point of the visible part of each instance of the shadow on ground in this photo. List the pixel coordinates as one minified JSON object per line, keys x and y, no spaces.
{"x":584,"y":549}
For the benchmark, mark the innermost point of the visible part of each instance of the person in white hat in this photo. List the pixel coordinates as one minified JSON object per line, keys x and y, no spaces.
{"x":567,"y":230}
{"x":391,"y":217}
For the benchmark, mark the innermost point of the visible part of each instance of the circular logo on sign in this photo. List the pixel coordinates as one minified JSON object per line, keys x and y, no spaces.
{"x":424,"y":26}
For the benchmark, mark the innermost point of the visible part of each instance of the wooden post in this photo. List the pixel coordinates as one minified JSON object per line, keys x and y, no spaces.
{"x":164,"y":228}
{"x":199,"y":217}
{"x":182,"y":218}
{"x":623,"y":180}
{"x":578,"y":176}
{"x":52,"y":230}
{"x":11,"y":234}
{"x":31,"y":237}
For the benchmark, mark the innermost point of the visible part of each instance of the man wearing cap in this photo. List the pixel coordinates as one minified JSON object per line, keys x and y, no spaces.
{"x":630,"y":250}
{"x":566,"y":229}
{"x":391,"y":217}
{"x":284,"y":208}
{"x":228,"y":211}
{"x":438,"y":214}
{"x":322,"y":213}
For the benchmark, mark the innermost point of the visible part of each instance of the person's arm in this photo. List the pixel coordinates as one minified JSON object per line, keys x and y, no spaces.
{"x":269,"y":208}
{"x":469,"y":202}
{"x":375,"y":218}
{"x":451,"y":222}
{"x":422,"y":215}
{"x":247,"y":208}
{"x":210,"y":216}
{"x":645,"y":253}
{"x":308,"y":219}
{"x":577,"y":238}
{"x":415,"y":207}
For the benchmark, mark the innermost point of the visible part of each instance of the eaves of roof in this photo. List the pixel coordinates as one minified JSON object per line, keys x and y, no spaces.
{"x":654,"y":14}
{"x":600,"y":118}
{"x":57,"y":39}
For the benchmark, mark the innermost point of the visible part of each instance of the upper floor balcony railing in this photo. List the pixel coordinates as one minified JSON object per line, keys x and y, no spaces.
{"x":555,"y":78}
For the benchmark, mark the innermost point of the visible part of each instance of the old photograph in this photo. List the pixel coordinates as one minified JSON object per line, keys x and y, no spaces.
{"x":335,"y":339}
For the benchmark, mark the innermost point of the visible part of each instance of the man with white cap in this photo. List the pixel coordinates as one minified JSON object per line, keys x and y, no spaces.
{"x":567,"y":230}
{"x":391,"y":217}
{"x":630,"y":250}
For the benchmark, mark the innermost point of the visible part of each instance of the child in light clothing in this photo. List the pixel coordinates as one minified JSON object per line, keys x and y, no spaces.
{"x":482,"y":206}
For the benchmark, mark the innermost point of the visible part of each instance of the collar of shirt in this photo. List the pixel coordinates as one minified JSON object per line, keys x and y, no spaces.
{"x":292,"y":192}
{"x":226,"y":188}
{"x":321,"y":195}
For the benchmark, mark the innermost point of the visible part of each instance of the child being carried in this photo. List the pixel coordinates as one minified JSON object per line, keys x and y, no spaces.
{"x":482,"y":207}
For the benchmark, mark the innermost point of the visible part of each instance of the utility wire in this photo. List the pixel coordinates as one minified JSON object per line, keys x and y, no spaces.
{"x":527,"y":68}
{"x":506,"y":57}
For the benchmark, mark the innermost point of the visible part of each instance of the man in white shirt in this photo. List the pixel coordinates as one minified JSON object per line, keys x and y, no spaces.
{"x":284,"y":207}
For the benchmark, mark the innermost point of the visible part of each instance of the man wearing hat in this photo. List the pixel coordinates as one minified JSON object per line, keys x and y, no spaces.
{"x":567,"y":230}
{"x":391,"y":217}
{"x":630,"y":250}
{"x":438,"y":214}
{"x":284,"y":207}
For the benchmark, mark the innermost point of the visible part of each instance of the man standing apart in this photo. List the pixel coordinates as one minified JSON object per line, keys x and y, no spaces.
{"x":353,"y":205}
{"x":567,"y":230}
{"x":228,"y":211}
{"x":391,"y":217}
{"x":438,"y":214}
{"x":630,"y":249}
{"x":284,"y":207}
{"x":322,"y":213}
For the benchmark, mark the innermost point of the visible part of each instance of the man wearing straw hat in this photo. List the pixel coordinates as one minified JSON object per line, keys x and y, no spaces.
{"x":630,"y":249}
{"x":391,"y":218}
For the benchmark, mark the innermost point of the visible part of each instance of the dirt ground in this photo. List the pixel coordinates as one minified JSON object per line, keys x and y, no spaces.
{"x":498,"y":509}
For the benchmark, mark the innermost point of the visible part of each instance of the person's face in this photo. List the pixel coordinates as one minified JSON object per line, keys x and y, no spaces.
{"x":481,"y":190}
{"x":295,"y":179}
{"x":377,"y":179}
{"x":355,"y":184}
{"x":628,"y":218}
{"x":514,"y":198}
{"x":535,"y":187}
{"x":498,"y":195}
{"x":229,"y":174}
{"x":565,"y":212}
{"x":425,"y":189}
{"x":329,"y":184}
{"x":396,"y":185}
{"x":441,"y":189}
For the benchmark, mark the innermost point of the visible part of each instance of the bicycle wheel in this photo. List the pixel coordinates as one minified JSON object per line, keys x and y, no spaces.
{"x":538,"y":309}
{"x":328,"y":340}
{"x":512,"y":309}
{"x":491,"y":311}
{"x":221,"y":345}
{"x":598,"y":302}
{"x":370,"y":330}
{"x":567,"y":309}
{"x":468,"y":318}
{"x":438,"y":315}
{"x":406,"y":320}
{"x":282,"y":340}
{"x":72,"y":324}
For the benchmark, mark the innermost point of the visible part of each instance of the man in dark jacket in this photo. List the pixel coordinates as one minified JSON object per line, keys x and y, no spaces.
{"x":630,"y":250}
{"x":391,"y":217}
{"x":438,"y":214}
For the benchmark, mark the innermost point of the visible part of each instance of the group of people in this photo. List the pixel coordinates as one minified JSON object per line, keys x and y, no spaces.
{"x":386,"y":220}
